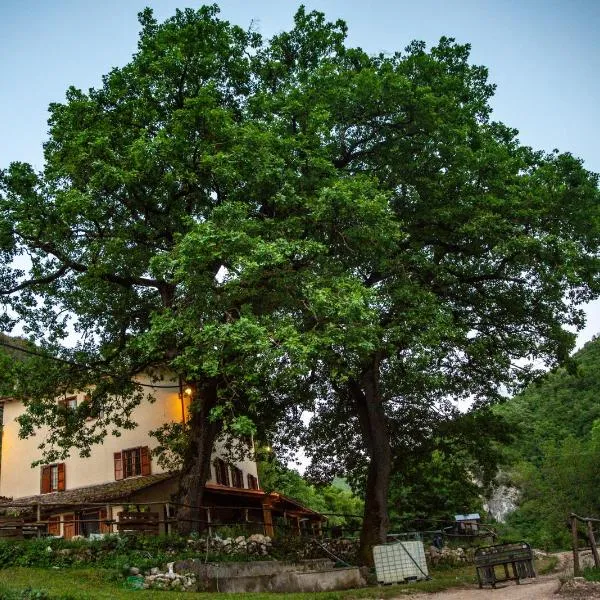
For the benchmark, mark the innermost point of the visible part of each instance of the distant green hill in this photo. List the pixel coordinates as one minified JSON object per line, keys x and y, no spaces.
{"x":555,"y":457}
{"x":560,"y":404}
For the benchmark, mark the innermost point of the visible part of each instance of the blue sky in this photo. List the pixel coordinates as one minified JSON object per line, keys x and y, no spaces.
{"x":542,"y":54}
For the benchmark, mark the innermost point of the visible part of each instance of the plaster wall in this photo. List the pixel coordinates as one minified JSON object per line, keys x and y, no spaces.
{"x":18,"y":478}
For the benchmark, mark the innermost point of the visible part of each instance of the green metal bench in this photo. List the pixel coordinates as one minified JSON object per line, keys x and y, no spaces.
{"x":518,"y":555}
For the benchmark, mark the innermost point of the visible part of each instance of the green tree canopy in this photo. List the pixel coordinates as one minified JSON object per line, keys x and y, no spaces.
{"x":291,"y":223}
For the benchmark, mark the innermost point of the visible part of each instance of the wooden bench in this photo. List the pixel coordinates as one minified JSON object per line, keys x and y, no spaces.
{"x":518,"y":555}
{"x":142,"y":523}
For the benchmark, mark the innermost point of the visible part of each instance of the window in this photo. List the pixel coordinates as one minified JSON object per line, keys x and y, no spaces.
{"x":132,"y":462}
{"x":252,"y":482}
{"x":237,"y":477}
{"x":221,"y":472}
{"x":70,"y":403}
{"x":65,"y":406}
{"x":93,"y":408}
{"x":52,"y":478}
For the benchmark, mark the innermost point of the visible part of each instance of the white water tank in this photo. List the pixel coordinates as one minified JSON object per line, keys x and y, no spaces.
{"x":399,"y":561}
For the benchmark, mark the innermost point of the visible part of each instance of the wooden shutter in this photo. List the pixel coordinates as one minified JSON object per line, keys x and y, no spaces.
{"x":145,"y":458}
{"x":118,"y":466}
{"x":69,"y":526}
{"x":225,"y":473}
{"x":237,"y":477}
{"x":222,"y":472}
{"x":45,"y":480}
{"x":104,"y":526}
{"x":61,"y":477}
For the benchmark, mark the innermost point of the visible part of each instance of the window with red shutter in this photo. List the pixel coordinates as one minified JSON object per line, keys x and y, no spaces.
{"x":70,"y":403}
{"x":252,"y":482}
{"x":53,"y":479}
{"x":132,"y":462}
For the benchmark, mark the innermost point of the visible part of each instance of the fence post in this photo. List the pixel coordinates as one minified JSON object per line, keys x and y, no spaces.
{"x":168,"y":516}
{"x":39,"y":518}
{"x":592,"y":539}
{"x":575,"y":542}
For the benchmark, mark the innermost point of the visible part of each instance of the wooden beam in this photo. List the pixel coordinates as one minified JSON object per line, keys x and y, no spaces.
{"x":575,"y":543}
{"x":109,"y":518}
{"x":168,"y":515}
{"x":585,"y":519}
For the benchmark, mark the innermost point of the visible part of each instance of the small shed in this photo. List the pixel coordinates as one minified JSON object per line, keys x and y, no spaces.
{"x":467,"y":524}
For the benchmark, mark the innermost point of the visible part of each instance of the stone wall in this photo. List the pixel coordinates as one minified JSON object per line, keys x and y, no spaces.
{"x":449,"y":556}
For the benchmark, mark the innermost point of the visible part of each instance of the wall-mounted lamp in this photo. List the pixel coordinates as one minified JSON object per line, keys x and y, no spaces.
{"x":188,"y":391}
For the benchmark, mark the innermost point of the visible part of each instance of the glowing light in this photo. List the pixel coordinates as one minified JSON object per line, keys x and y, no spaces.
{"x":188,"y":391}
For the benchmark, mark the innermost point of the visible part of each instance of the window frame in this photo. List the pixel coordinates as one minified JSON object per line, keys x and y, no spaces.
{"x":237,"y":477}
{"x":70,"y":402}
{"x":131,"y":452}
{"x":53,"y":478}
{"x":126,"y":469}
{"x":222,"y":472}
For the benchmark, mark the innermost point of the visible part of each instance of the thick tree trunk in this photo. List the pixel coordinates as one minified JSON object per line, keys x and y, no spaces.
{"x":374,"y":428}
{"x":196,"y":466}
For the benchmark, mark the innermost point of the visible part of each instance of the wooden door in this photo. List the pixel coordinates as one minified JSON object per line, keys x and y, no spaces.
{"x":69,"y":526}
{"x":54,"y":525}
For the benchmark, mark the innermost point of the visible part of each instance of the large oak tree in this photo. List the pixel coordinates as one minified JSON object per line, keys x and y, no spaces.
{"x":291,"y":224}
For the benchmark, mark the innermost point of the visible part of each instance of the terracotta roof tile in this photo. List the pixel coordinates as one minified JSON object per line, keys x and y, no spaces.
{"x":105,"y":492}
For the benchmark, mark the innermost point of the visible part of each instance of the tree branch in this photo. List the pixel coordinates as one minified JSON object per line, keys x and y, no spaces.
{"x":35,"y":282}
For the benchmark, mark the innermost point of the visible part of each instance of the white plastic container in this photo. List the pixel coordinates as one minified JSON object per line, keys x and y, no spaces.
{"x":399,"y":561}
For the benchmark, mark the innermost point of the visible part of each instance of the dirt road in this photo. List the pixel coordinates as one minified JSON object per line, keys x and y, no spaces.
{"x":540,"y":588}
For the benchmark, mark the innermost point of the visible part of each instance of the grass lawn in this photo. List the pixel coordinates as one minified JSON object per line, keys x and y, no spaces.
{"x":99,"y":584}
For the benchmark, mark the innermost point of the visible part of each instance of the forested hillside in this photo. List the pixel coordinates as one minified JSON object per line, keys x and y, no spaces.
{"x":555,"y":457}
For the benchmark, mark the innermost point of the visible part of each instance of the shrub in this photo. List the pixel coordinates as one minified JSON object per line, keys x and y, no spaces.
{"x":592,"y":574}
{"x":112,"y":552}
{"x":31,"y":594}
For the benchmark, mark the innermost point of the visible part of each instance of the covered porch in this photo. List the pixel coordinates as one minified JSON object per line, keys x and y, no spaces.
{"x":146,"y":505}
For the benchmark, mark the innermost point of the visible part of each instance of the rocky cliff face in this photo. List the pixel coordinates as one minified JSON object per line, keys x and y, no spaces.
{"x":503,"y":501}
